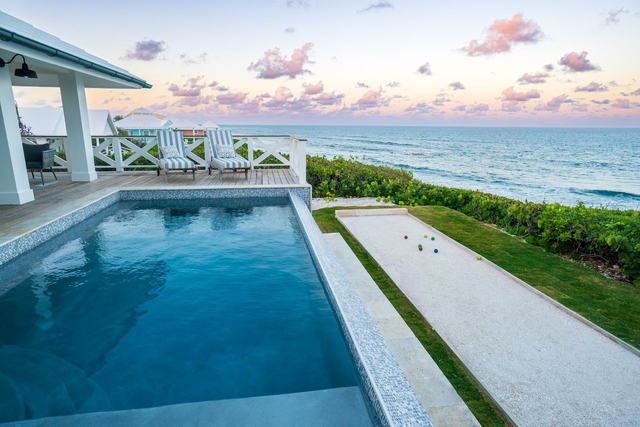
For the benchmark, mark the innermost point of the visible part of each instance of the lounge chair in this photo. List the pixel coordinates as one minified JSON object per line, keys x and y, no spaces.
{"x":39,"y":157}
{"x":171,"y":155}
{"x":223,"y":153}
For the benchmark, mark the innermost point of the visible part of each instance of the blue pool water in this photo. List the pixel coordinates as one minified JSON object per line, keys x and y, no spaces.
{"x":162,"y":304}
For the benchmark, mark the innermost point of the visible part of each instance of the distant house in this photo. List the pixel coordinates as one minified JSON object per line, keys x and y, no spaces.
{"x":49,"y":121}
{"x":142,"y":122}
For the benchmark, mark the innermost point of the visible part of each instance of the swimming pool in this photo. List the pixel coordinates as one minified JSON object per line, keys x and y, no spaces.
{"x":161,"y":303}
{"x":382,"y":392}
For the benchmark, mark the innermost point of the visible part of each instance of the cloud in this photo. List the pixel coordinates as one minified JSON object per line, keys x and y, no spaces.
{"x":421,"y":108}
{"x":554,"y":104}
{"x":623,"y":104}
{"x":298,"y":3}
{"x":146,"y":50}
{"x":231,"y":98}
{"x":310,"y":89}
{"x":252,"y":106}
{"x":613,"y":17}
{"x":222,"y":88}
{"x":548,"y":67}
{"x":289,"y":30}
{"x":509,"y":94}
{"x":362,"y":85}
{"x":456,"y":86}
{"x":535,"y":78}
{"x":511,"y":106}
{"x":283,"y":100}
{"x":193,"y":87}
{"x":581,"y":108}
{"x":477,"y":109}
{"x":592,"y":87}
{"x":393,"y":84}
{"x":425,"y":69}
{"x":503,"y":34}
{"x":603,"y":102}
{"x":274,"y":65}
{"x":440,"y":101}
{"x":459,"y":108}
{"x":281,"y":97}
{"x":19,"y":94}
{"x":329,"y":99}
{"x":200,"y":59}
{"x":157,"y":107}
{"x":377,"y":6}
{"x":213,"y":84}
{"x":613,"y":83}
{"x":192,"y":101}
{"x":634,"y":93}
{"x":575,"y":62}
{"x":372,"y":99}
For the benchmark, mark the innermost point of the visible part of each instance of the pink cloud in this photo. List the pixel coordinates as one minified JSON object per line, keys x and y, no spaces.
{"x":274,"y":65}
{"x":193,"y":87}
{"x":372,"y":99}
{"x":231,"y":98}
{"x":192,"y":101}
{"x":581,"y":108}
{"x":456,"y":86}
{"x":577,"y":62}
{"x":622,"y":103}
{"x":535,"y":78}
{"x":329,"y":99}
{"x":548,"y":67}
{"x":503,"y":34}
{"x":511,"y":106}
{"x":252,"y":106}
{"x":509,"y":94}
{"x":311,"y":89}
{"x":554,"y":104}
{"x":281,"y":97}
{"x":613,"y":17}
{"x":592,"y":87}
{"x":425,"y":69}
{"x":146,"y":50}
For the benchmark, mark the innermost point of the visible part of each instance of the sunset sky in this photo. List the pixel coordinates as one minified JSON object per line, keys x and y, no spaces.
{"x":454,"y":63}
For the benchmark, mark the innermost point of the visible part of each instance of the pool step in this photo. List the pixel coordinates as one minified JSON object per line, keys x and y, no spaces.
{"x":322,"y":408}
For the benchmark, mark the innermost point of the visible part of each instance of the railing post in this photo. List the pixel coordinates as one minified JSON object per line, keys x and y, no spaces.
{"x":301,"y":153}
{"x":250,"y":151}
{"x":117,"y":153}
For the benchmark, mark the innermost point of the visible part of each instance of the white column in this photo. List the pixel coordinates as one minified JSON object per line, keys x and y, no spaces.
{"x":14,"y":181}
{"x":76,"y":118}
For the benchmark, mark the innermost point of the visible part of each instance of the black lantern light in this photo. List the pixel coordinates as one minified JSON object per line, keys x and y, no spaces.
{"x":24,"y":71}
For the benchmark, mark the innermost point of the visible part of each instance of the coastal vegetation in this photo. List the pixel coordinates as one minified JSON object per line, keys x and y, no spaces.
{"x":583,"y":233}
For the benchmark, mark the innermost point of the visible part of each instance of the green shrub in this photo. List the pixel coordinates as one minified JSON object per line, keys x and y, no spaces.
{"x":579,"y":231}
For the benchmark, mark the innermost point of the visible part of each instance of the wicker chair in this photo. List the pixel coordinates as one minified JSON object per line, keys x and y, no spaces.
{"x":39,"y":157}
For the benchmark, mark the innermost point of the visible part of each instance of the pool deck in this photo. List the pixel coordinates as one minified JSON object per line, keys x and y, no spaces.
{"x":58,"y":198}
{"x":543,"y":366}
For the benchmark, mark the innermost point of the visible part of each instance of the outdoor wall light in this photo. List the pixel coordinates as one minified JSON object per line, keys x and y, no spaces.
{"x":21,"y":72}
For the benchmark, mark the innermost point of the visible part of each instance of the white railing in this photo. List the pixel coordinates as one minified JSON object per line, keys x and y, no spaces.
{"x":127,"y":153}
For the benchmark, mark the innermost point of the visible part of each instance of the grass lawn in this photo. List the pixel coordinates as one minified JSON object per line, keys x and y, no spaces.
{"x":449,"y":364}
{"x":612,"y":305}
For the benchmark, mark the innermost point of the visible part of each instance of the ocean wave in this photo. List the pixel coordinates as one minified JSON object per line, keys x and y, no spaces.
{"x":612,"y":193}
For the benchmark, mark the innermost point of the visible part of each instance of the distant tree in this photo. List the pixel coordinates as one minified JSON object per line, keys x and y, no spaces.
{"x":118,"y":117}
{"x":24,"y":129}
{"x":122,"y":132}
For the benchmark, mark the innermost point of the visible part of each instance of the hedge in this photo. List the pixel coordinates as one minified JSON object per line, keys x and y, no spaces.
{"x":578,"y":231}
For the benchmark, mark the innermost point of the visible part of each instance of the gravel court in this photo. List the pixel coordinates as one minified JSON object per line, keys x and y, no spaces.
{"x":542,"y":366}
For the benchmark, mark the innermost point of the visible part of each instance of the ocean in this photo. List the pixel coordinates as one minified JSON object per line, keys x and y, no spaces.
{"x":599,"y":167}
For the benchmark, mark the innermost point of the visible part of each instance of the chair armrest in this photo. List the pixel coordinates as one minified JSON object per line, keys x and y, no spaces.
{"x":47,"y":158}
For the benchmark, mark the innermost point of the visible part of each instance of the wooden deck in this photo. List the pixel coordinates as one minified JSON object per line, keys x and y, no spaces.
{"x":58,"y":198}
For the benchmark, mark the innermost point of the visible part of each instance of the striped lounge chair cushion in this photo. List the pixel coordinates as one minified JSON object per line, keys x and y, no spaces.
{"x":176,"y":163}
{"x":235,"y":163}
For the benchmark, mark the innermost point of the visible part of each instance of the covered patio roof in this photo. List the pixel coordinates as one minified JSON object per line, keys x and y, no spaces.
{"x":57,"y":64}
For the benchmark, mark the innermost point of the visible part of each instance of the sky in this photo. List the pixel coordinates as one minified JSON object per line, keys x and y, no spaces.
{"x":561,"y":63}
